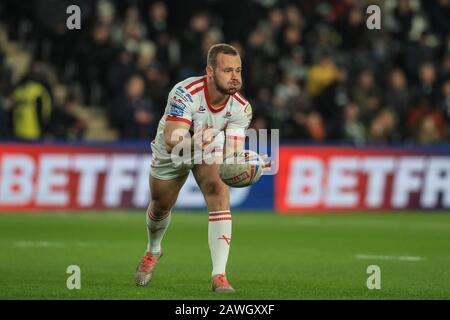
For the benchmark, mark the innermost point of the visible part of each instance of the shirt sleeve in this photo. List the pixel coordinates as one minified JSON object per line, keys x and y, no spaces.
{"x":239,"y":123}
{"x":179,"y":105}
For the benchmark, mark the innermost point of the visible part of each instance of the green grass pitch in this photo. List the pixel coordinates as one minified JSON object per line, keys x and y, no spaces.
{"x":272,"y":256}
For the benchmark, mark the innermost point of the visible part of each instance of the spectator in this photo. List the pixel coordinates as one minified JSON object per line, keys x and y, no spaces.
{"x":5,"y":127}
{"x":295,"y":64}
{"x":158,"y":82}
{"x":321,"y":75}
{"x":119,"y":71}
{"x":330,"y":103}
{"x":292,"y":38}
{"x":397,"y":94}
{"x":133,"y":113}
{"x":67,"y":124}
{"x":95,"y":58}
{"x":132,"y":30}
{"x":168,"y":50}
{"x":445,"y":70}
{"x":398,"y":97}
{"x":354,"y":30}
{"x":260,"y":70}
{"x":428,"y":82}
{"x":431,"y":129}
{"x":296,"y":124}
{"x":157,"y":20}
{"x":424,"y":115}
{"x":286,"y":89}
{"x":382,"y":128}
{"x":439,"y":14}
{"x":353,"y":129}
{"x":403,"y":15}
{"x":315,"y":127}
{"x":32,"y":107}
{"x":418,"y":52}
{"x":444,"y":104}
{"x":262,"y":108}
{"x":5,"y":105}
{"x":366,"y":94}
{"x":323,"y":47}
{"x":192,"y":62}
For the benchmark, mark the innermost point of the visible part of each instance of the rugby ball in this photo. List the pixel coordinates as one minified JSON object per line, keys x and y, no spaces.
{"x":241,"y":169}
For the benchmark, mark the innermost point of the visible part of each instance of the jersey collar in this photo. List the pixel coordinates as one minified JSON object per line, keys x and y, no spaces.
{"x":210,"y":107}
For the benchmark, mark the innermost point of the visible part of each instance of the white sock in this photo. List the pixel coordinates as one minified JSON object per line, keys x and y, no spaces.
{"x":219,"y":239}
{"x":156,"y":228}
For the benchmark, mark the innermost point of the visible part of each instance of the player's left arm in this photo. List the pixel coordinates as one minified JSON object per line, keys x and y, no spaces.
{"x":235,"y":134}
{"x":236,"y":128}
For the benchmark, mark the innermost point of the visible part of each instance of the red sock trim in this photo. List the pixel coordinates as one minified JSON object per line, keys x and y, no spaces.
{"x":220,"y":214}
{"x":219,"y":219}
{"x":156,"y":219}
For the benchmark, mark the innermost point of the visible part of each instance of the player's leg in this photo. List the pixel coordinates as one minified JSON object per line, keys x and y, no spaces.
{"x":164,"y":194}
{"x":217,"y":199}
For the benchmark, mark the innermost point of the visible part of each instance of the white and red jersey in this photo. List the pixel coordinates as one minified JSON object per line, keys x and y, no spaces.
{"x":188,"y":101}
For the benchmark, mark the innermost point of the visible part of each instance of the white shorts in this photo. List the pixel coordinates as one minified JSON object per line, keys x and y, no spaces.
{"x":164,"y":168}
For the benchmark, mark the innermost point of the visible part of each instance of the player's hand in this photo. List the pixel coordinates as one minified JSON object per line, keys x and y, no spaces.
{"x":209,"y":134}
{"x":267,"y":163}
{"x":204,"y":136}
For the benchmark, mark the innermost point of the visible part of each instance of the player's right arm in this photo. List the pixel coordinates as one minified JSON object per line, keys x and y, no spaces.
{"x":178,"y":117}
{"x":176,"y":132}
{"x":179,"y":122}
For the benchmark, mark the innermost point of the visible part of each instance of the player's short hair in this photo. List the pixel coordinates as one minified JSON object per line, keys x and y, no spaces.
{"x":219,"y":48}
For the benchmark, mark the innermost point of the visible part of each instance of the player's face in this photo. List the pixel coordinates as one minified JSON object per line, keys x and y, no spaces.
{"x":227,"y":74}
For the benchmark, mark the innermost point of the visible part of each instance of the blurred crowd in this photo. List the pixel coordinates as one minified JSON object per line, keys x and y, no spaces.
{"x":311,"y":68}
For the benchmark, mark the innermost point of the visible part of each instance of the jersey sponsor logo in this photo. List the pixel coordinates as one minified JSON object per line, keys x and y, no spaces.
{"x":184,"y":94}
{"x":227,"y":115}
{"x":178,"y":101}
{"x":181,"y":97}
{"x":176,"y":108}
{"x":184,"y":97}
{"x":201,"y":109}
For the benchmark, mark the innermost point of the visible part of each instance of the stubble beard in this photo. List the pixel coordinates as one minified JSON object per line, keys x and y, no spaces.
{"x":224,"y":90}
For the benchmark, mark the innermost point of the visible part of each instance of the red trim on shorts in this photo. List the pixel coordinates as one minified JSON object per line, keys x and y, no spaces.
{"x":172,"y":118}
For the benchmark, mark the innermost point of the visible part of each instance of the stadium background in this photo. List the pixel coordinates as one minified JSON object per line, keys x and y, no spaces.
{"x":363,"y":117}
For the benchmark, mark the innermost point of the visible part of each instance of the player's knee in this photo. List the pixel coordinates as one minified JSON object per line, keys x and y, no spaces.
{"x":159,"y":209}
{"x":214,"y":189}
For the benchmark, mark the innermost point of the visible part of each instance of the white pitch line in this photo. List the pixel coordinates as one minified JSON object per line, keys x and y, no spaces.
{"x":382,"y":257}
{"x":38,"y":244}
{"x":48,"y":244}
